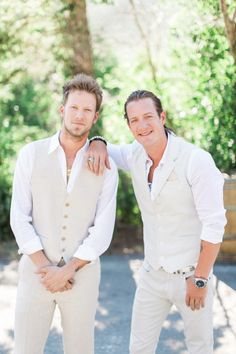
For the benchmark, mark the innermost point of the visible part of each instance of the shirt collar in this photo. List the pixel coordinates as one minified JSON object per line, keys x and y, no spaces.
{"x":55,"y":143}
{"x":164,"y":156}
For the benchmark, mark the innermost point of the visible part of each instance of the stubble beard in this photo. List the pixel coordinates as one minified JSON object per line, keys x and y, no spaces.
{"x":76,"y":136}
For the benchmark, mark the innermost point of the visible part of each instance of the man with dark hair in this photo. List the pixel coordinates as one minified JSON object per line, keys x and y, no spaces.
{"x":63,"y":218}
{"x":180,"y":194}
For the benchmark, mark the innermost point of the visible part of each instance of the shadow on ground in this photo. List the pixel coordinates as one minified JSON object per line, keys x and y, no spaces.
{"x":117,"y":290}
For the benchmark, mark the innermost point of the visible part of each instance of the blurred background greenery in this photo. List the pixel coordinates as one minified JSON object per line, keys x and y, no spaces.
{"x":185,"y":51}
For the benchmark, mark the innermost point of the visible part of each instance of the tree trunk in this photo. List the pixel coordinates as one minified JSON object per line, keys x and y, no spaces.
{"x":230,"y":27}
{"x":76,"y":37}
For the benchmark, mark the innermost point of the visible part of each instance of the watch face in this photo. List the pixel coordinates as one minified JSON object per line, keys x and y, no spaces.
{"x":200,"y":283}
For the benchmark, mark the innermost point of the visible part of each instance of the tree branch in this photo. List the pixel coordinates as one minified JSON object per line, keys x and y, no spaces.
{"x":234,"y":15}
{"x":146,"y":43}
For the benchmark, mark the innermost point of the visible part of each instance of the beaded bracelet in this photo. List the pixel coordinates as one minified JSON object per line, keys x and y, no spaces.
{"x":97,"y":137}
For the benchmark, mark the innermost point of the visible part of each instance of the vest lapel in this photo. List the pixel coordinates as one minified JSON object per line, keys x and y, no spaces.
{"x":139,"y":166}
{"x":168,"y":166}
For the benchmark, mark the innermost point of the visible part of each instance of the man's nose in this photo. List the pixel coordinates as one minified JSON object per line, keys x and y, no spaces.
{"x":142,"y":124}
{"x":79,"y":114}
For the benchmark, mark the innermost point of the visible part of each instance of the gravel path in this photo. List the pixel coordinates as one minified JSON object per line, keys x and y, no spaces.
{"x":119,"y":274}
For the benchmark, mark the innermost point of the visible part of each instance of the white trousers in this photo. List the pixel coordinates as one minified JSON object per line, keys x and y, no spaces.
{"x":35,"y":308}
{"x":157,"y":291}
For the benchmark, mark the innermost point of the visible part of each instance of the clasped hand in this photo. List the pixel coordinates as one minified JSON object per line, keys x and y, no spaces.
{"x":56,"y":278}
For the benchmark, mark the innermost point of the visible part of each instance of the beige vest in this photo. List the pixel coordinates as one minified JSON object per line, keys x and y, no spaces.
{"x":61,"y":219}
{"x":171,"y":225}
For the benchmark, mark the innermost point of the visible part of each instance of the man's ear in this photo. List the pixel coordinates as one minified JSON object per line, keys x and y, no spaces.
{"x":163,"y":117}
{"x":96,"y":116}
{"x":61,"y":110}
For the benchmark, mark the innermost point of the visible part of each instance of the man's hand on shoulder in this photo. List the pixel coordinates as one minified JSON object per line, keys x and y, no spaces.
{"x":96,"y":157}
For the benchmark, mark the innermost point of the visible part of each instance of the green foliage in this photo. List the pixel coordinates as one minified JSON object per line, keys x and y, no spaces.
{"x":5,"y":187}
{"x":23,"y":117}
{"x":198,"y":85}
{"x":214,"y":102}
{"x":208,"y":117}
{"x":28,"y":93}
{"x":127,"y":211}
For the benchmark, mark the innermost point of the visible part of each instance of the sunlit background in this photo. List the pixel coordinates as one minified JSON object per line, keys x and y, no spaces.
{"x":184,"y":51}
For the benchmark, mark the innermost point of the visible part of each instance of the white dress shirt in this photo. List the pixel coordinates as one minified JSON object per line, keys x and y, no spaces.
{"x":99,"y":235}
{"x":205,"y":180}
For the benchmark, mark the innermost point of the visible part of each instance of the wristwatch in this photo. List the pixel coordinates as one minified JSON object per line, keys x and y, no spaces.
{"x":200,"y":282}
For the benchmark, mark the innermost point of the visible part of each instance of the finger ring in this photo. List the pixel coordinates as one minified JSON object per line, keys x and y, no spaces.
{"x":90,"y":159}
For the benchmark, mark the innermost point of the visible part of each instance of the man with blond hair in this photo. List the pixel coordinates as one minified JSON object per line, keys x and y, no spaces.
{"x":62,"y":217}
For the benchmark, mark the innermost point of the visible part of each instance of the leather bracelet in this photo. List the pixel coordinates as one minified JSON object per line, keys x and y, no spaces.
{"x":97,"y":137}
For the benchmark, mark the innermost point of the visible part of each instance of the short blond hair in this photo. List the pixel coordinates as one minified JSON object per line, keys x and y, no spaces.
{"x":83,"y":82}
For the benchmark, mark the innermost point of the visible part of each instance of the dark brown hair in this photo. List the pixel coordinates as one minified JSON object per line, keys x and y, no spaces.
{"x":83,"y":82}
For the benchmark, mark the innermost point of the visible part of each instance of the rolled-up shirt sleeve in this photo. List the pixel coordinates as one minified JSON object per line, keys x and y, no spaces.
{"x":207,"y":183}
{"x":21,"y":204}
{"x":100,"y":234}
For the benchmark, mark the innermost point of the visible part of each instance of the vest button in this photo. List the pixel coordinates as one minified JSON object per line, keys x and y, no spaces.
{"x":67,"y":204}
{"x":64,"y":227}
{"x":65,"y":216}
{"x":63,"y":250}
{"x":63,"y":238}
